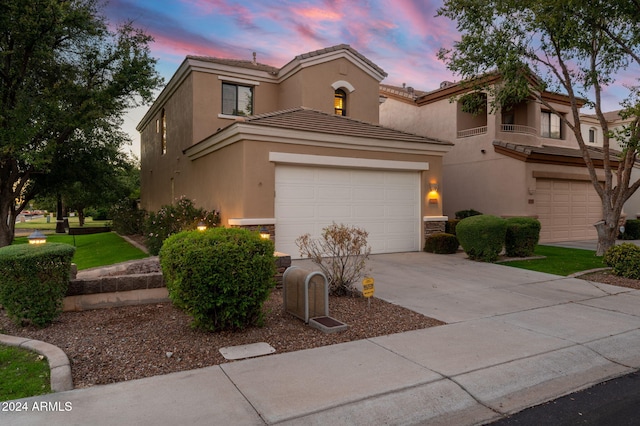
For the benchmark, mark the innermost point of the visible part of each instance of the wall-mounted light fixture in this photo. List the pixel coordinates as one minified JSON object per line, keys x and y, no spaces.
{"x":202,"y":226}
{"x":37,"y":238}
{"x":433,"y":187}
{"x":264,"y":233}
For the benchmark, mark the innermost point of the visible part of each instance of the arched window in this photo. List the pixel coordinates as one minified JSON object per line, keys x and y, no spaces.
{"x":340,"y":102}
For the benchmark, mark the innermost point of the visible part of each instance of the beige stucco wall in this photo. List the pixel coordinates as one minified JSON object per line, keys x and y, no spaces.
{"x":311,"y":87}
{"x":239,"y":180}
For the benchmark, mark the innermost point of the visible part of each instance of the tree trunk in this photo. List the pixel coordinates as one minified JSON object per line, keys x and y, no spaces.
{"x":59,"y":217}
{"x":607,"y":235}
{"x":81,"y":216}
{"x":6,"y":228}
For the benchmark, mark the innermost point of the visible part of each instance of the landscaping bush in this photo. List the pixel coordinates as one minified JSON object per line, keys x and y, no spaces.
{"x":631,"y":230}
{"x":173,"y":218}
{"x":450,"y":226}
{"x":127,"y":218}
{"x":220,"y":277}
{"x":341,"y":253}
{"x":34,"y":282}
{"x":522,"y":236}
{"x":624,"y":260}
{"x":482,"y":236}
{"x":463,"y":214}
{"x":441,"y":243}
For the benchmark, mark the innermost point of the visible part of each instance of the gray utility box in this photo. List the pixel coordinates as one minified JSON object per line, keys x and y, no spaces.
{"x":305,"y":293}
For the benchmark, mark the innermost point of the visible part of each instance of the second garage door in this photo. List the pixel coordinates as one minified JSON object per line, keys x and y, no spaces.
{"x":385,"y":203}
{"x":567,"y":210}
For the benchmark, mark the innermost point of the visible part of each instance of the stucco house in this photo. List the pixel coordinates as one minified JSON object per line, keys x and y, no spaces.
{"x":520,"y":161}
{"x":591,"y":127}
{"x":291,"y":149}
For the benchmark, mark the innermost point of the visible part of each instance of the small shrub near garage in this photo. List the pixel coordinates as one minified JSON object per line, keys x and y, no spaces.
{"x":482,"y":236}
{"x":631,"y":230}
{"x":450,"y":226}
{"x":441,"y":243}
{"x":220,"y":277}
{"x":173,"y":218}
{"x":522,"y":236}
{"x":341,"y":253}
{"x":35,"y":279}
{"x":624,"y":260}
{"x":463,"y":214}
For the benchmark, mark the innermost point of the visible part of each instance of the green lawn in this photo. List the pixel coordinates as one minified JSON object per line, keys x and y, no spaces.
{"x":22,"y":373}
{"x":42,"y":224}
{"x":560,"y":261}
{"x":96,"y":249}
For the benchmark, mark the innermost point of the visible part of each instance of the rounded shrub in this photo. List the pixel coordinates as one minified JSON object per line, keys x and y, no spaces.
{"x":35,"y":279}
{"x":624,"y":260}
{"x":441,"y":243}
{"x":482,"y":236}
{"x":522,"y":236}
{"x":220,"y":277}
{"x":450,"y":226}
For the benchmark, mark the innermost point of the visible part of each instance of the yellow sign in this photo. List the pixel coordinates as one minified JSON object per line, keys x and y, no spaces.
{"x":367,"y":287}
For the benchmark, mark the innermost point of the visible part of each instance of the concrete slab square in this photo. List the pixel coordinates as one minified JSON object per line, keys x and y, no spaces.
{"x":459,"y":348}
{"x":290,"y":385}
{"x":247,"y":351}
{"x":204,"y":396}
{"x":574,"y":322}
{"x":438,"y":403}
{"x":516,"y":385}
{"x":622,"y":348}
{"x":627,"y":303}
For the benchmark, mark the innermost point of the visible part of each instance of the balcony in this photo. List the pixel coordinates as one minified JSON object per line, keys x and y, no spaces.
{"x":472,"y":132}
{"x":518,"y":128}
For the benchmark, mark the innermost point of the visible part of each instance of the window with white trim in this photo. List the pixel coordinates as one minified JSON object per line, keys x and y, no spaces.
{"x":237,"y":99}
{"x":340,"y":102}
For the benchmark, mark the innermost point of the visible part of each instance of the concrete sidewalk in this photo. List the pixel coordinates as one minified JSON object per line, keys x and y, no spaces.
{"x":514,"y":339}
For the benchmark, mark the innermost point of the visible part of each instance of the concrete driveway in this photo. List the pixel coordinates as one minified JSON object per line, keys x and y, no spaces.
{"x":514,"y":339}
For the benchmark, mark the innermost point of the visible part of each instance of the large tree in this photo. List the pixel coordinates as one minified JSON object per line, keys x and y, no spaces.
{"x":65,"y":74}
{"x":574,"y":47}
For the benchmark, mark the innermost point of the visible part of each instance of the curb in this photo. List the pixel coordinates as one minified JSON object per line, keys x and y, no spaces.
{"x":58,"y":361}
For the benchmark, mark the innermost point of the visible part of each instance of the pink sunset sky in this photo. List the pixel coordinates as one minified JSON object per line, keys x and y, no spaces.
{"x":400,"y":36}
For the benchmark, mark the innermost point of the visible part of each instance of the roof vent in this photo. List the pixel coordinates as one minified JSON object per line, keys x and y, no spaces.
{"x":255,"y":62}
{"x":445,"y":84}
{"x":410,"y":89}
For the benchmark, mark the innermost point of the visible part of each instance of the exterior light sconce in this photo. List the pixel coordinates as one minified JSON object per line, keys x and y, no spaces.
{"x":433,"y":187}
{"x":202,"y":226}
{"x":37,"y":238}
{"x":433,"y":193}
{"x":264,"y":233}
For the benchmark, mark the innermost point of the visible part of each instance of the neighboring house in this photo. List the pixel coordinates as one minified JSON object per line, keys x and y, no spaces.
{"x":520,"y":161}
{"x":292,"y":149}
{"x":592,"y":131}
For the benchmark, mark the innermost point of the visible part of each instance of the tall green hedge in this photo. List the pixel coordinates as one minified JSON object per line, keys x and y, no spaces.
{"x":35,"y":279}
{"x":220,"y":277}
{"x":482,"y":236}
{"x":523,"y":233}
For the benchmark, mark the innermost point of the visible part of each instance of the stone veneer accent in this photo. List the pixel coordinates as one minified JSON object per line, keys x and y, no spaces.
{"x":434,"y":224}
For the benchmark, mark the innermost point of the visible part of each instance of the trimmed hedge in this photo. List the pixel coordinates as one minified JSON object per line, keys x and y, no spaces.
{"x":624,"y":260}
{"x":441,"y":243}
{"x":220,"y":277}
{"x":482,"y":236}
{"x":523,"y":233}
{"x":35,"y":279}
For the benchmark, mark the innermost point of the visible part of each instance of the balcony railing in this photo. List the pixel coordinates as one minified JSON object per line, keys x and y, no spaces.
{"x":472,"y":132}
{"x":518,"y":128}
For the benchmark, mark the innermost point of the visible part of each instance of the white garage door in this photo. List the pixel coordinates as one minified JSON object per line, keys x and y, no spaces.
{"x":384,"y":203}
{"x":567,"y":210}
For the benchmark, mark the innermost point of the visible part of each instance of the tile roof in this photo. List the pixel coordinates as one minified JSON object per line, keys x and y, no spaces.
{"x":547,"y":153}
{"x":310,"y":120}
{"x":237,"y":63}
{"x":404,"y":92}
{"x":274,"y":70}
